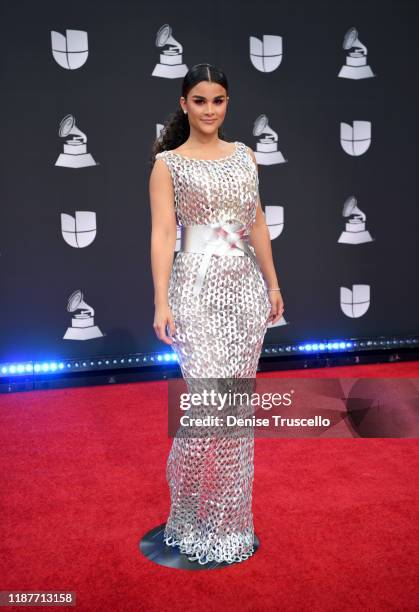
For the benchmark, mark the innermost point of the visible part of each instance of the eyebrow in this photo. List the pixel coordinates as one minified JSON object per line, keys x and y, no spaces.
{"x":204,"y":98}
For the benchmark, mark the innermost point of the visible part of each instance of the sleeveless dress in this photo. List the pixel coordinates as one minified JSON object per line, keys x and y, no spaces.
{"x":219,"y":335}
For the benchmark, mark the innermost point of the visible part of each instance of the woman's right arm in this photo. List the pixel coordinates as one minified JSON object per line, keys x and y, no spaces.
{"x":163,"y":243}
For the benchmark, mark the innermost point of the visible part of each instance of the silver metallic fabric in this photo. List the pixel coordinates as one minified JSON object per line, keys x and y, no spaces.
{"x":220,"y":306}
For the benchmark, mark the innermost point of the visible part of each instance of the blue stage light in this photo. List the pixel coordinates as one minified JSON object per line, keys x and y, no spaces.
{"x":50,"y":368}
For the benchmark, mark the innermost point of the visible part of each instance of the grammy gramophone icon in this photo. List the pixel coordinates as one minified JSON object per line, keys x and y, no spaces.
{"x":171,"y":65}
{"x":355,"y":232}
{"x":82,"y":323}
{"x":267,"y":146}
{"x":356,"y":66}
{"x":75,"y":152}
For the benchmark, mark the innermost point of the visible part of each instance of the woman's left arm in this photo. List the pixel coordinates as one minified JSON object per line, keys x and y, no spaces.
{"x":260,"y":240}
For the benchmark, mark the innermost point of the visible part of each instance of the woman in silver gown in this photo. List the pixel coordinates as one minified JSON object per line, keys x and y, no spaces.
{"x":216,"y":304}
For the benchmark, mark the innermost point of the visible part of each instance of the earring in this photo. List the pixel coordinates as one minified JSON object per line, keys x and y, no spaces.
{"x":185,"y":112}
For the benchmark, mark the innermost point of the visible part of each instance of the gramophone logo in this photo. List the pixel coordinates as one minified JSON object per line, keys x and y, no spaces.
{"x":82,"y":323}
{"x":356,"y":138}
{"x":70,"y":51}
{"x":266,"y":55}
{"x":75,"y":152}
{"x":266,"y":152}
{"x":171,"y":64}
{"x":280,"y":323}
{"x":356,"y":66}
{"x":355,"y":232}
{"x":159,"y":131}
{"x":79,"y":231}
{"x":274,"y":217}
{"x":355,"y":303}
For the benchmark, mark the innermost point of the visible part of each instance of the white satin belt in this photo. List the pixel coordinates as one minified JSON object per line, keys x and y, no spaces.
{"x":219,"y":238}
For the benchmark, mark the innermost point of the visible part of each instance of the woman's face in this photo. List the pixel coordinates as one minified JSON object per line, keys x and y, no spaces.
{"x":206,"y":105}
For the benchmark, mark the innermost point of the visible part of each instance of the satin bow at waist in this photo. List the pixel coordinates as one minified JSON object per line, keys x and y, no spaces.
{"x":219,"y":238}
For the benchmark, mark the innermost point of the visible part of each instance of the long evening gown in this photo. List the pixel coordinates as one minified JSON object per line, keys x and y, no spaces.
{"x":219,"y":334}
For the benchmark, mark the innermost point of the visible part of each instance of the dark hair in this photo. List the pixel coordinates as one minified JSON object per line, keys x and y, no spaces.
{"x":176,"y":129}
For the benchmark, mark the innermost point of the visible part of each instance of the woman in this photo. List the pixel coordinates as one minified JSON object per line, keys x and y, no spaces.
{"x":216,"y":302}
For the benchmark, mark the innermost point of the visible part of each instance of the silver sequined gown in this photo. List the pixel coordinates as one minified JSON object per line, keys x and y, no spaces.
{"x":220,"y":335}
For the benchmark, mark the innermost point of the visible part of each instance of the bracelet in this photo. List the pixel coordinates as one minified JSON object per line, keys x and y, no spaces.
{"x":274,"y":289}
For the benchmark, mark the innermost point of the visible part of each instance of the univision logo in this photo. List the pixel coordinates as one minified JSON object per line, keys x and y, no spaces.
{"x":70,"y":51}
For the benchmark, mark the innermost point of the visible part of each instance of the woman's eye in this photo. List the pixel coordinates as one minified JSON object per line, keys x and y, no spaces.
{"x":201,"y":101}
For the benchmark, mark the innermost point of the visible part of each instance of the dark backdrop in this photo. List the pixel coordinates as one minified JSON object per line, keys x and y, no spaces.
{"x":118,"y":104}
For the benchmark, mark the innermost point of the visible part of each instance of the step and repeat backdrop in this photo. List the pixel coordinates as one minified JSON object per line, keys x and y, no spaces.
{"x":325,"y":93}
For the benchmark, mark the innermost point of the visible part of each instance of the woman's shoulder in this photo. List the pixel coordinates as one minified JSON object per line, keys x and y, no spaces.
{"x":244,"y":145}
{"x":245,"y":148}
{"x":249,"y":151}
{"x":160,"y":154}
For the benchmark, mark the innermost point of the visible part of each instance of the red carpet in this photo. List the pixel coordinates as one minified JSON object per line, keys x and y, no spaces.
{"x":83,"y":478}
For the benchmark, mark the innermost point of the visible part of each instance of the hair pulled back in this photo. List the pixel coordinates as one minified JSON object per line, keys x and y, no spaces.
{"x":176,"y":129}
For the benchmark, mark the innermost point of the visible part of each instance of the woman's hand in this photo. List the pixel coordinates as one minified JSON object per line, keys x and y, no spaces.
{"x":163,"y":317}
{"x":277,"y":306}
